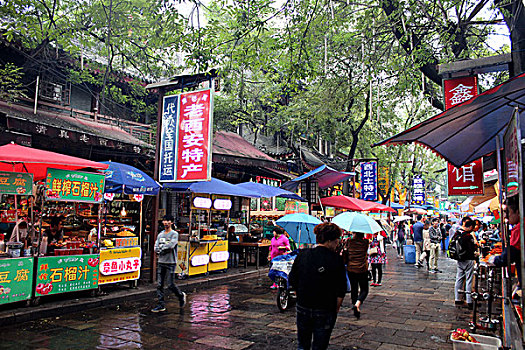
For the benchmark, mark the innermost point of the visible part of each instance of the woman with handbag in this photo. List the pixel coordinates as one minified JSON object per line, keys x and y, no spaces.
{"x":354,"y":256}
{"x":376,"y":258}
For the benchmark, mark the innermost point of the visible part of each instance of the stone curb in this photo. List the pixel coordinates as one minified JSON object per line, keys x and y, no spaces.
{"x":61,"y":307}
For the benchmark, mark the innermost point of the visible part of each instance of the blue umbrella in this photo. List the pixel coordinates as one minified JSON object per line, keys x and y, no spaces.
{"x":214,"y":186}
{"x":355,"y":222}
{"x":123,"y":178}
{"x":300,"y":227}
{"x":269,"y":191}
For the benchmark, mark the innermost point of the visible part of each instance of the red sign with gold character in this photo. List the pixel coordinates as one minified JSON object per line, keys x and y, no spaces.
{"x":458,"y":90}
{"x":194,"y":136}
{"x":467,"y":180}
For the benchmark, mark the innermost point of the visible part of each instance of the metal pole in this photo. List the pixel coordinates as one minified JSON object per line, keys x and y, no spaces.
{"x":36,"y":93}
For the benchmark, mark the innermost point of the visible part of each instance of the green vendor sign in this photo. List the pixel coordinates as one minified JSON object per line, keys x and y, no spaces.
{"x":63,"y":274}
{"x":16,"y":280}
{"x":75,"y":186}
{"x":16,"y":183}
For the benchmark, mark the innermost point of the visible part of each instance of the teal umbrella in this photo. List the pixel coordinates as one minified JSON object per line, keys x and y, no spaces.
{"x":300,"y":227}
{"x":355,"y":222}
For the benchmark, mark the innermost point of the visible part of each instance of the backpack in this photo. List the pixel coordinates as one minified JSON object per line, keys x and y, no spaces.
{"x":455,"y":249}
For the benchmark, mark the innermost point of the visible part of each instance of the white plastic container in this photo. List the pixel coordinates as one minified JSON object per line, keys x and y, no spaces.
{"x":485,"y":343}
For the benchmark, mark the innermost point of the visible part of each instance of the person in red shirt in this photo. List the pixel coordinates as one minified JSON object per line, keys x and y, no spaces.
{"x":513,"y":214}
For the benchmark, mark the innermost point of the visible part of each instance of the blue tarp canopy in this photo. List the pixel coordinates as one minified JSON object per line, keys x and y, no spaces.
{"x":324,"y":175}
{"x":215,"y":186}
{"x":123,"y":178}
{"x":267,"y":191}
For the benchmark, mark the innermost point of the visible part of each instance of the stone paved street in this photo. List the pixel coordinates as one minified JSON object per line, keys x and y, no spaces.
{"x":412,"y":310}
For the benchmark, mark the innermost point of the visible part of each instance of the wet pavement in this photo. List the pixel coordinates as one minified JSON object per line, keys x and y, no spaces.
{"x":412,"y":310}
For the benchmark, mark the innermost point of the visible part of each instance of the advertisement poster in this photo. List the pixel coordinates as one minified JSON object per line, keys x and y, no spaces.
{"x":369,"y":181}
{"x":63,"y":274}
{"x":74,"y":186}
{"x":194,"y":137}
{"x":16,"y":280}
{"x":383,"y":180}
{"x":117,"y":265}
{"x":291,"y":207}
{"x":458,"y":90}
{"x":16,"y":183}
{"x":467,"y":180}
{"x":168,"y":133}
{"x":418,"y":194}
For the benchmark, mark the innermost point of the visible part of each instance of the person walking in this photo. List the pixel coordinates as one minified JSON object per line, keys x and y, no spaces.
{"x":435,"y":241}
{"x":425,"y":255}
{"x":318,"y":277}
{"x":376,"y":258}
{"x":417,"y":230}
{"x":465,"y":264}
{"x":355,"y":258}
{"x":401,"y":234}
{"x":166,"y":249}
{"x":279,"y":245}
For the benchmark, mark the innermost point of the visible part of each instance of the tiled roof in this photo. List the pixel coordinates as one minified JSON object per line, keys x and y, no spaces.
{"x":231,"y":144}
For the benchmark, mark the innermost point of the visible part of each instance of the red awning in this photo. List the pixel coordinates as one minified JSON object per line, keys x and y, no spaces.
{"x":382,"y":207}
{"x":35,"y":161}
{"x":346,"y":202}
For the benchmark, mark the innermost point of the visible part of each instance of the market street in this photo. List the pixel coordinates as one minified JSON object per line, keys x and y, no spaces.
{"x":413,"y":309}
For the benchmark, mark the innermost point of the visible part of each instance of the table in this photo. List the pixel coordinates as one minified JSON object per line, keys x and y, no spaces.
{"x":245,"y":246}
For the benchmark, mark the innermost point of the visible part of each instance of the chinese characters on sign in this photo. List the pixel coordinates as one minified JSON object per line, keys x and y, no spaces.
{"x":383,"y":181}
{"x":16,"y":183}
{"x":74,"y":186}
{"x":62,"y":274}
{"x":458,"y":90}
{"x":194,"y":136}
{"x":120,"y":264}
{"x":418,"y":194}
{"x":511,"y":144}
{"x":369,"y":181}
{"x":467,"y":180}
{"x":167,"y":139}
{"x":16,"y":279}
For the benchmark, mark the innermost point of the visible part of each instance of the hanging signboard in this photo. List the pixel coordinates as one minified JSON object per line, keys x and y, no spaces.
{"x":74,"y":186}
{"x":194,"y":137}
{"x":458,"y":90}
{"x":369,"y":181}
{"x":62,"y":274}
{"x":418,"y":194}
{"x":16,"y":280}
{"x":117,"y":265}
{"x":168,"y":133}
{"x":16,"y":183}
{"x":383,"y":180}
{"x":467,"y":180}
{"x":511,"y":145}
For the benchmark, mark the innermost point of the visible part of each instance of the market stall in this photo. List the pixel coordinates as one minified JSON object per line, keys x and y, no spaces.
{"x":122,"y":232}
{"x":203,"y":243}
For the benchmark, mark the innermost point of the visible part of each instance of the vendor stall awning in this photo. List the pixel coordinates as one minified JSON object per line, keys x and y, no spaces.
{"x":269,"y":191}
{"x":35,"y":161}
{"x":346,"y":202}
{"x":123,"y":178}
{"x":215,"y":186}
{"x":324,"y":175}
{"x":468,"y":131}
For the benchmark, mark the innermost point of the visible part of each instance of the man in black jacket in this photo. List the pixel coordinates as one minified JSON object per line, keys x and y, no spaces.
{"x":319,"y":278}
{"x":467,"y":258}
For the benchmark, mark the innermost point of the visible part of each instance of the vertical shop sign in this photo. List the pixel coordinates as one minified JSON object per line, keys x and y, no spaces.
{"x":16,"y":280}
{"x":194,"y":136}
{"x":62,"y":274}
{"x":458,"y":90}
{"x":418,"y":194}
{"x":369,"y":181}
{"x":168,"y":135}
{"x":74,"y":186}
{"x":467,"y":180}
{"x":511,"y":144}
{"x":16,"y":183}
{"x":383,"y":181}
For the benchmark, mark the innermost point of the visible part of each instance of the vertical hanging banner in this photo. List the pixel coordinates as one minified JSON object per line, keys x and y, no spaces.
{"x":194,"y":136}
{"x":383,"y":181}
{"x":467,"y":180}
{"x":369,"y":181}
{"x":458,"y":90}
{"x":511,"y":143}
{"x":168,"y":135}
{"x":418,"y":194}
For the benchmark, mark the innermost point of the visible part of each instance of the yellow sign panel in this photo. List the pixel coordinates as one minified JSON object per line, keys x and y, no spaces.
{"x":115,"y":262}
{"x":383,"y":180}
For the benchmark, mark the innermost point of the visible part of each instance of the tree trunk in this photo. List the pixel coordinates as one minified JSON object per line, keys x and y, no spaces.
{"x":514,"y":16}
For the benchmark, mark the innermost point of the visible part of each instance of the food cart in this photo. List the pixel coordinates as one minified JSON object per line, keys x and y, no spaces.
{"x":69,"y":264}
{"x":125,"y":189}
{"x":16,"y":268}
